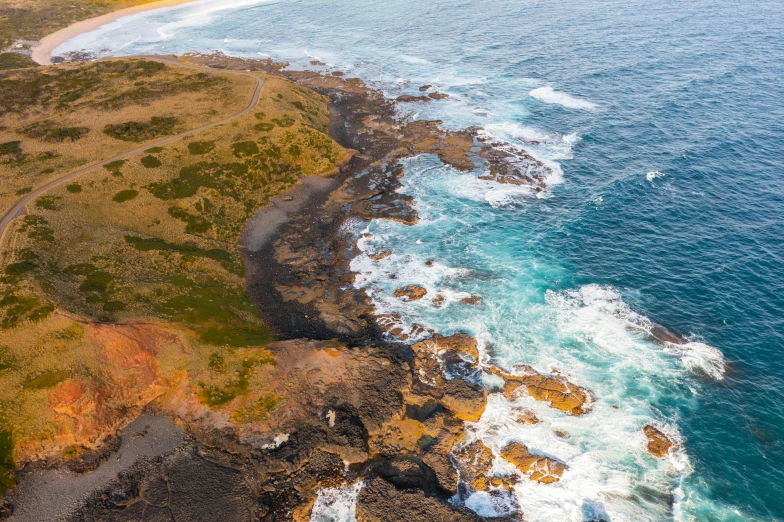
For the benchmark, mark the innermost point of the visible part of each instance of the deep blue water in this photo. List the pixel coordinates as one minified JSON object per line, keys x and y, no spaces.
{"x":693,"y":91}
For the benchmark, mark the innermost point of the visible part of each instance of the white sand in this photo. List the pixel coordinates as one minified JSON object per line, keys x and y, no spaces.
{"x":42,"y":53}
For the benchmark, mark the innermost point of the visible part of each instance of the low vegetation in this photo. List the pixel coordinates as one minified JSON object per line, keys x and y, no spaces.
{"x":152,"y":240}
{"x":58,"y":118}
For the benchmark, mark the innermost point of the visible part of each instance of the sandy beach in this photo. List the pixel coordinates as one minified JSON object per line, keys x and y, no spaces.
{"x":42,"y":53}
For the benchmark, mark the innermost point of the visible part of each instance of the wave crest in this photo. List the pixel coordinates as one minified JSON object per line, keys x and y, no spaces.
{"x":549,"y":95}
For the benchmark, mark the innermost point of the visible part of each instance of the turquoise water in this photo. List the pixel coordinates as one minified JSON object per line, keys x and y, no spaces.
{"x":663,"y":124}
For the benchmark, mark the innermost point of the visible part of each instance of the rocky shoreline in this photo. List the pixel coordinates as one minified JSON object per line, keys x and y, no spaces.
{"x":356,"y":401}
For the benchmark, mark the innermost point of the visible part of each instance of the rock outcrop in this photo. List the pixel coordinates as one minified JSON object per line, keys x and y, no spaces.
{"x":555,"y":389}
{"x":536,"y":467}
{"x":659,"y":444}
{"x":411,"y":292}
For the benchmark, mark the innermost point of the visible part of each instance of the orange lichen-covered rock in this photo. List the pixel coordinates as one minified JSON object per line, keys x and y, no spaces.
{"x":536,"y":467}
{"x":459,"y":343}
{"x":411,"y":292}
{"x":555,"y":389}
{"x":467,"y":401}
{"x":378,"y":256}
{"x":474,"y":462}
{"x":659,"y":444}
{"x":525,"y":416}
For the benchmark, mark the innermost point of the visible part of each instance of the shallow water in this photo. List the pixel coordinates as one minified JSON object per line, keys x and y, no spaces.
{"x":663,"y":124}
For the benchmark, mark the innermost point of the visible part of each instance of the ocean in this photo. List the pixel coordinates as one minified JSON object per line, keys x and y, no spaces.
{"x":663,"y":126}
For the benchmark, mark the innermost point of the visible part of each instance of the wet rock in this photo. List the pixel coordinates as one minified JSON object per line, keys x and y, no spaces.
{"x":429,"y":262}
{"x":659,"y":444}
{"x":467,"y":401}
{"x":525,"y":416}
{"x":380,"y":255}
{"x":536,"y":467}
{"x":425,"y":88}
{"x":472,"y":300}
{"x":408,"y":98}
{"x":411,"y":292}
{"x":459,"y":343}
{"x":380,"y":501}
{"x":474,"y":462}
{"x":555,"y":389}
{"x":438,"y":301}
{"x":438,"y":95}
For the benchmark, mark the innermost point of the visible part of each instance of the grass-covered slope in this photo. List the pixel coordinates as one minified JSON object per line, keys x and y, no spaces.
{"x":127,"y":283}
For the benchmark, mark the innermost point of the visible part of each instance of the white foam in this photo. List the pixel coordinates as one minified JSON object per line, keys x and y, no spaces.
{"x":201,"y":14}
{"x":653,"y":175}
{"x":548,"y":95}
{"x":414,"y":59}
{"x":699,"y":358}
{"x":336,"y":504}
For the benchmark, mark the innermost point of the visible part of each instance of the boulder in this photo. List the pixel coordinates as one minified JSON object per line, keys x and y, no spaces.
{"x":555,"y":389}
{"x":407,"y":98}
{"x":525,"y":416}
{"x":411,"y":292}
{"x":659,"y":444}
{"x":536,"y":467}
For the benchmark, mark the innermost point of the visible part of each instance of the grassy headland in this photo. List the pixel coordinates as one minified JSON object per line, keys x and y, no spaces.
{"x":127,"y":283}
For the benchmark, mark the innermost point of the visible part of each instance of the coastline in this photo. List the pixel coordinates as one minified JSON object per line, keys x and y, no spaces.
{"x":42,"y":53}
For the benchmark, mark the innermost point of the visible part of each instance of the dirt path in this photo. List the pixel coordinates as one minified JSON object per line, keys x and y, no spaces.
{"x":19,"y":208}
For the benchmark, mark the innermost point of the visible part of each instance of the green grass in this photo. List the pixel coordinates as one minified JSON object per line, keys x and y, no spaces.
{"x":195,"y":224}
{"x":7,"y":466}
{"x":148,"y":244}
{"x":15,"y":61}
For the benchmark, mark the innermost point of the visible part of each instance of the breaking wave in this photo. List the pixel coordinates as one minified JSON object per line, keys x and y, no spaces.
{"x":548,"y":95}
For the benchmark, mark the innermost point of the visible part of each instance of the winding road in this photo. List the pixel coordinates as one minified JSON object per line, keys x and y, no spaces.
{"x":19,"y":208}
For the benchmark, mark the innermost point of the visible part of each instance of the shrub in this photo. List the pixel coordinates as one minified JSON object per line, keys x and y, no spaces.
{"x":114,"y":167}
{"x":22,"y":267}
{"x":245,"y":148}
{"x":137,"y":131}
{"x":201,"y":147}
{"x":47,"y":202}
{"x":74,"y":188}
{"x":154,"y":150}
{"x":151,"y":162}
{"x":12,"y":149}
{"x":125,"y":195}
{"x":49,"y":131}
{"x":264,"y":127}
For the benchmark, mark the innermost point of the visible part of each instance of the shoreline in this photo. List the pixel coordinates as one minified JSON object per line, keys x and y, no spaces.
{"x":42,"y":53}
